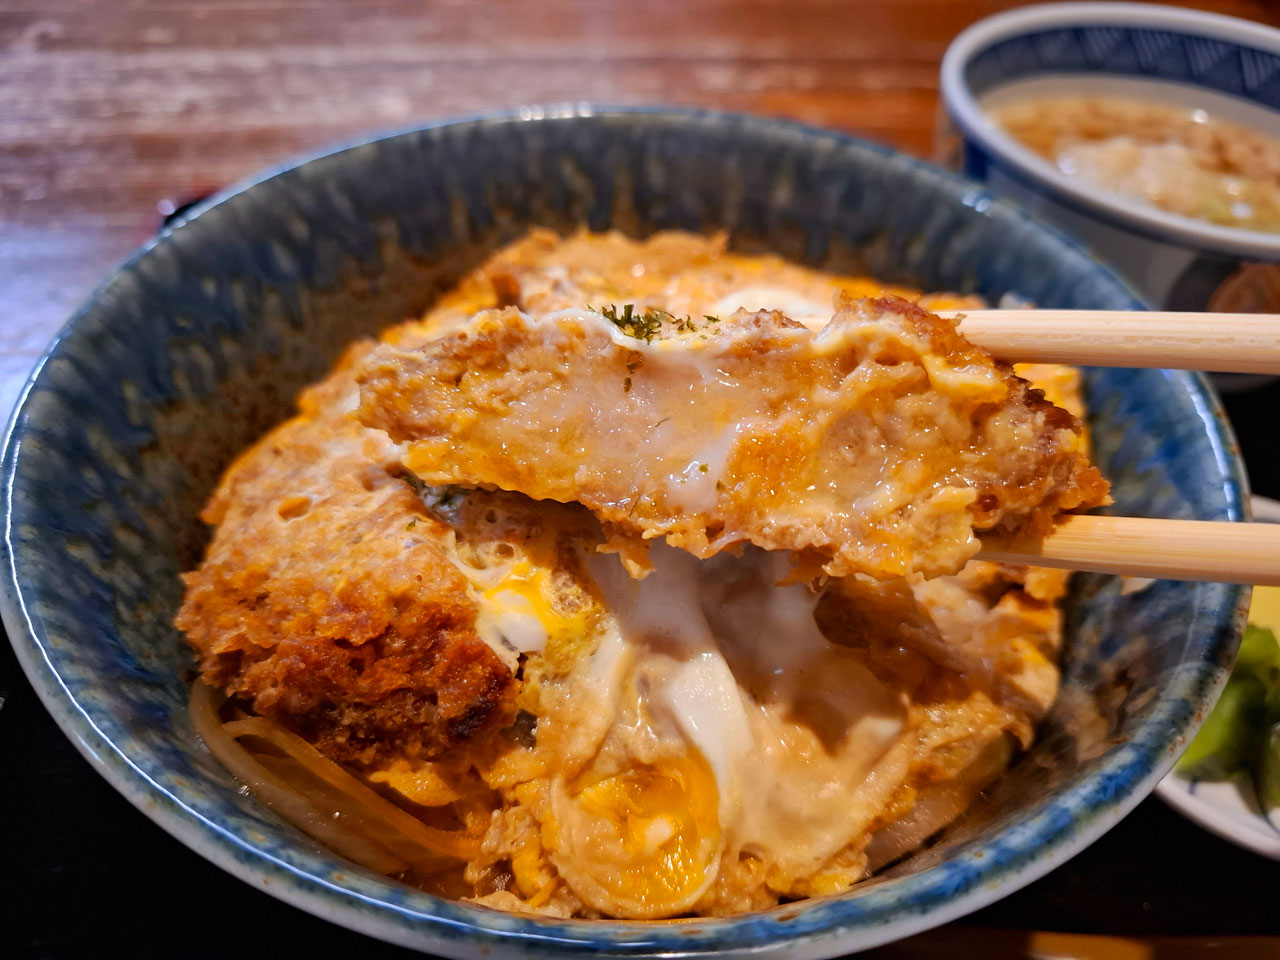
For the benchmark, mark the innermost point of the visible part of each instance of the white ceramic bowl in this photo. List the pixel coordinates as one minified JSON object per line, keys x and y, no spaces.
{"x":1228,"y":808}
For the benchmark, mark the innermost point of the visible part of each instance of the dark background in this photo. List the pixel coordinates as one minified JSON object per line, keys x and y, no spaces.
{"x":111,"y":113}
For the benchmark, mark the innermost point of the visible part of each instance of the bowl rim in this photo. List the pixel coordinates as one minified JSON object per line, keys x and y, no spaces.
{"x":812,"y":929}
{"x":962,"y":106}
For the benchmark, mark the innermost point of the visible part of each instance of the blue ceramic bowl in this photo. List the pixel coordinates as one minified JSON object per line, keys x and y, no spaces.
{"x":1141,"y":51}
{"x":200,"y":342}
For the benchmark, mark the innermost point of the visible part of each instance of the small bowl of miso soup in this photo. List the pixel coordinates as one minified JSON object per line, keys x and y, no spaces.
{"x":1150,"y":133}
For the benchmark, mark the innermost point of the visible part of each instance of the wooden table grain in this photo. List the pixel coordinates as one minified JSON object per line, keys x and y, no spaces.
{"x":108,"y":109}
{"x":113,"y":112}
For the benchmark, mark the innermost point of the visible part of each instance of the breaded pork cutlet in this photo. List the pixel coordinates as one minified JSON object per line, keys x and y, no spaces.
{"x":704,"y":740}
{"x":878,"y":445}
{"x":326,"y":601}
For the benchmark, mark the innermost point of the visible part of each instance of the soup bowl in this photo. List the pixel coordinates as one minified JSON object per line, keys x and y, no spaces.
{"x":201,"y":341}
{"x":1168,"y":57}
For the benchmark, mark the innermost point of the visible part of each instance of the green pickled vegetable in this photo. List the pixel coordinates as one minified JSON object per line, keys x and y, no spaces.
{"x":1260,"y":654}
{"x":1266,"y":774}
{"x":1266,"y":765}
{"x":1228,"y":740}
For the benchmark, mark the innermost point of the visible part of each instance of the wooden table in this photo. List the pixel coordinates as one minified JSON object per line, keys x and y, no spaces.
{"x":109,"y":109}
{"x":113,"y":112}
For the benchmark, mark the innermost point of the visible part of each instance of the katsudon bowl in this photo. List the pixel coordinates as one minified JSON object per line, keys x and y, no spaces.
{"x":202,"y":340}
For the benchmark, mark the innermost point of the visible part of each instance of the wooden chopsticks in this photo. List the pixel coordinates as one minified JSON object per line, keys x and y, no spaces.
{"x":1139,"y":546}
{"x":1156,"y":548}
{"x":1136,"y":546}
{"x":1222,"y":342}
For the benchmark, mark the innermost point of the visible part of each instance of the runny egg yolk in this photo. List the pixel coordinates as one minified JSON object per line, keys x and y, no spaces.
{"x":519,"y":613}
{"x":641,"y":842}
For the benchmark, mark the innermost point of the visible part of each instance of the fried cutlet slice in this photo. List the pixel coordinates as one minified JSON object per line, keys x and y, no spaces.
{"x":327,"y":600}
{"x":878,"y":445}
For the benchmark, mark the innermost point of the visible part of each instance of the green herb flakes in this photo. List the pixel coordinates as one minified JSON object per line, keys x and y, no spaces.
{"x":648,"y":324}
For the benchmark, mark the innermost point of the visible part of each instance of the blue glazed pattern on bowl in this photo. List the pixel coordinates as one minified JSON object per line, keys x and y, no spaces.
{"x":1236,"y":69}
{"x":200,"y":342}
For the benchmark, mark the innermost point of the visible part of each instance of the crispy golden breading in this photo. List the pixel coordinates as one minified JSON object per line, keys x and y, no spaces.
{"x":876,"y":446}
{"x":326,"y":600}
